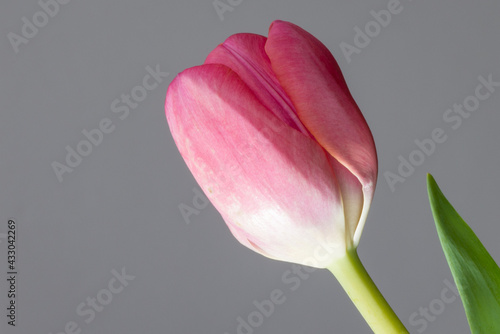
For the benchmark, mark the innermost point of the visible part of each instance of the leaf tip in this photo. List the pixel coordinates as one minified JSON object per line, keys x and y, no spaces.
{"x":430,"y":179}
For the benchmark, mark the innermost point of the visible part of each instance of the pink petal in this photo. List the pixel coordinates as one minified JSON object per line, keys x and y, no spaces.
{"x":311,"y":77}
{"x":272,"y":184}
{"x":244,"y":53}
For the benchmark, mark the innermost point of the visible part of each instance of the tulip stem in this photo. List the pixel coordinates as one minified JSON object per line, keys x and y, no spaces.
{"x":363,"y":292}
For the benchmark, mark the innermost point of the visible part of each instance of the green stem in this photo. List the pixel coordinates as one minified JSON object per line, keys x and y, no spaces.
{"x":353,"y":277}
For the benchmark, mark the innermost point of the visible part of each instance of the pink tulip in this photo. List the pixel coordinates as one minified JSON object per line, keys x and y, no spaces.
{"x":271,"y":133}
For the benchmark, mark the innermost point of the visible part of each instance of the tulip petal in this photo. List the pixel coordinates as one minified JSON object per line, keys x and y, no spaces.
{"x":352,"y":199}
{"x":272,"y":184}
{"x":244,"y":53}
{"x":311,"y":77}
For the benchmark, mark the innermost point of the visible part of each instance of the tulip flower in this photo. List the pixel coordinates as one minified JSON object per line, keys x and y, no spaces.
{"x":271,"y":133}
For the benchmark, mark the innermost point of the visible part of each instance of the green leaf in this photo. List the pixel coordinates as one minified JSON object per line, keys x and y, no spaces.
{"x":476,"y":274}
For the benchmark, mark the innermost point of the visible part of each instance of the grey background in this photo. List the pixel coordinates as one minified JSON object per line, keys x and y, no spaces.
{"x":120,"y":207}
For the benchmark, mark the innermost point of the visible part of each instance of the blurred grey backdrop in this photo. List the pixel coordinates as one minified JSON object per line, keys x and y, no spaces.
{"x":90,"y":173}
